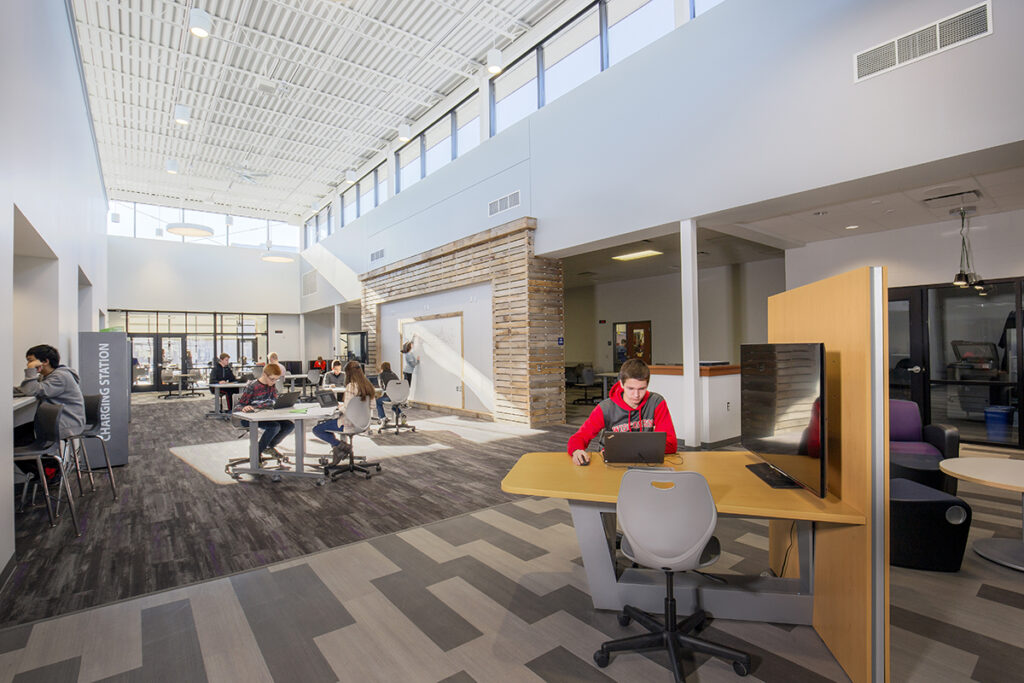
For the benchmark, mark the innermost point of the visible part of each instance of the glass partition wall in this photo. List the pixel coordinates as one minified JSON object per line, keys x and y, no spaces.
{"x":957,"y":353}
{"x":166,"y":344}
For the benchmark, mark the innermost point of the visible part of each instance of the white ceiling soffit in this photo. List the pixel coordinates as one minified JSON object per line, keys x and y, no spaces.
{"x":285,"y":95}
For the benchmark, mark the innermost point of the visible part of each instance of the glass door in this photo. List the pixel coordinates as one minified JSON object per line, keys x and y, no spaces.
{"x":908,"y":347}
{"x":172,"y":362}
{"x":143,"y":362}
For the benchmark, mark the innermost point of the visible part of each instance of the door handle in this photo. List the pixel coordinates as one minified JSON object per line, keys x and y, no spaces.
{"x":917,"y":369}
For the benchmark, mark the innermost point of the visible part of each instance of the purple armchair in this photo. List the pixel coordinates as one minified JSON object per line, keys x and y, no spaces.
{"x":915,"y":450}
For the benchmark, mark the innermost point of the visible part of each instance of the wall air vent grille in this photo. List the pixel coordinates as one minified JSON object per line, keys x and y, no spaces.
{"x":974,"y":22}
{"x":377,"y":255}
{"x":505,"y":203}
{"x":309,"y":283}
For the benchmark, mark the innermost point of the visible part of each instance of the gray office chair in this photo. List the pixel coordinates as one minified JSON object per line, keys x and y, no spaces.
{"x":357,"y":414}
{"x":398,"y":393}
{"x":91,"y":430}
{"x":587,"y":380}
{"x":47,"y":445}
{"x":646,"y":499}
{"x":312,"y":381}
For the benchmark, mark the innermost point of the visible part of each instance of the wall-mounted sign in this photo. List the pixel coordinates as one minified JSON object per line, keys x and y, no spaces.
{"x":561,"y":341}
{"x":601,"y":322}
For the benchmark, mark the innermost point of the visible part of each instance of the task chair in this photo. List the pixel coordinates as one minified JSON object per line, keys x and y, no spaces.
{"x":646,"y":499}
{"x":397,"y":391}
{"x":47,"y":445}
{"x":236,"y":421}
{"x":311,"y":382}
{"x":915,"y":450}
{"x":587,"y":381}
{"x":357,"y":417}
{"x":91,"y":430}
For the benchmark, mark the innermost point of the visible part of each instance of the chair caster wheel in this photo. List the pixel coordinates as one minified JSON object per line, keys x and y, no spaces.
{"x":368,"y":475}
{"x":601,"y":658}
{"x":321,"y":482}
{"x":236,"y":476}
{"x":276,"y":478}
{"x":378,"y":468}
{"x":624,"y":619}
{"x":412,"y":429}
{"x":740,"y":668}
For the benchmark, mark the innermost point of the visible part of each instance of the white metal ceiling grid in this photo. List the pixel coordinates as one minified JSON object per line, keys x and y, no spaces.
{"x":342,"y":76}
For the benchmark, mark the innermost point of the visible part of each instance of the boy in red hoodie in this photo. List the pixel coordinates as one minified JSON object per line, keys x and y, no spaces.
{"x":628,"y":408}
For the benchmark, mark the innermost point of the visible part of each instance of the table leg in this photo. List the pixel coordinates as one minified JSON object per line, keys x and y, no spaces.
{"x":1005,"y":551}
{"x":604,"y":385}
{"x":597,"y":553}
{"x":254,"y":445}
{"x":300,"y":446}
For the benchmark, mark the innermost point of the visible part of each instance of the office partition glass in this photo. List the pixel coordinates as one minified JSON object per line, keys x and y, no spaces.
{"x":572,"y":56}
{"x":142,"y":362}
{"x":439,"y":144}
{"x":248,"y":232}
{"x":214,"y":221}
{"x":633,"y":24}
{"x":201,"y":347}
{"x":409,"y":164}
{"x":515,"y":93}
{"x":467,"y":119}
{"x":284,"y":236}
{"x":121,"y":219}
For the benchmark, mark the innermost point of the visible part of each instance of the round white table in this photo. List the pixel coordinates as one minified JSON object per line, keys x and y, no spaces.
{"x":1000,"y":473}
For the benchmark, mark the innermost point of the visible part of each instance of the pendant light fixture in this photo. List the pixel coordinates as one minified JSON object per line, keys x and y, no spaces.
{"x":189,"y":230}
{"x":271,"y":256}
{"x":199,"y":23}
{"x":966,"y":276}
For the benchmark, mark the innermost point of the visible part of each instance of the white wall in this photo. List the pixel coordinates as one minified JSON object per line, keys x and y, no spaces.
{"x":35,"y":281}
{"x":49,"y":172}
{"x":319,"y":334}
{"x":477,"y":335}
{"x":286,"y":342}
{"x":919,"y":255}
{"x":734,"y":306}
{"x":580,"y":323}
{"x":172,"y":276}
{"x":652,"y":298}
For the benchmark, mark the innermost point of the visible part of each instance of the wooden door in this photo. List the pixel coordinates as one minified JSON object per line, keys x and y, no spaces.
{"x":638,"y":340}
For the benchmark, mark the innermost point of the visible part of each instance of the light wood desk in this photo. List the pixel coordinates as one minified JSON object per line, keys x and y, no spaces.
{"x":593,"y":490}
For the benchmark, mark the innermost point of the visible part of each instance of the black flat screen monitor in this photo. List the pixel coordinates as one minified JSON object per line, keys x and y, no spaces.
{"x":782,"y":409}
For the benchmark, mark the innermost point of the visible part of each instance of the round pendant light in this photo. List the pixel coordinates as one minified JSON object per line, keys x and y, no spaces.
{"x":189,"y":230}
{"x":276,"y":257}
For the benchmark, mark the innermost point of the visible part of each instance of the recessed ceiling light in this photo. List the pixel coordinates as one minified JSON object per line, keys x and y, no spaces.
{"x":199,"y":22}
{"x":636,"y":255}
{"x":852,"y":227}
{"x":888,"y":211}
{"x":876,"y":201}
{"x":182,"y":114}
{"x":821,"y":213}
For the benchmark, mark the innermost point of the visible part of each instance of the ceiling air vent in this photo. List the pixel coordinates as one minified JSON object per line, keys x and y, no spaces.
{"x":955,"y":199}
{"x":503,"y":204}
{"x":974,"y":22}
{"x":309,"y":283}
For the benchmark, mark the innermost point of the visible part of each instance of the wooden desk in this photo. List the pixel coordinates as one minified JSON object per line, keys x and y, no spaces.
{"x":593,"y":490}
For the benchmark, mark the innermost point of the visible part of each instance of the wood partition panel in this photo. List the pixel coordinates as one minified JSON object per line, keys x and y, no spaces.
{"x":841,"y":313}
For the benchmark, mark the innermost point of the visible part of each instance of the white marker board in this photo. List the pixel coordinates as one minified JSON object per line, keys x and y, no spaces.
{"x":437,"y":341}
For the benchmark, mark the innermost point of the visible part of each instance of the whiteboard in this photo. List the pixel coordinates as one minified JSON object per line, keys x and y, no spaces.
{"x":437,"y":341}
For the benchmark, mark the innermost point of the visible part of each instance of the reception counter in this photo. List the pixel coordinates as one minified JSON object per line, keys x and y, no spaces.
{"x":720,"y":398}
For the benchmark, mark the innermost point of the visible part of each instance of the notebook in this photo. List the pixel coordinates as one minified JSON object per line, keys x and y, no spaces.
{"x":630,"y":447}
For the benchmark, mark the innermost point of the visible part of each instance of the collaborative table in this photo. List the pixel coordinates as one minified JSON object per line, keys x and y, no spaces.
{"x":592,"y":492}
{"x":1000,"y":473}
{"x":297,"y":415}
{"x":217,"y":388}
{"x":24,"y":410}
{"x":605,"y":376}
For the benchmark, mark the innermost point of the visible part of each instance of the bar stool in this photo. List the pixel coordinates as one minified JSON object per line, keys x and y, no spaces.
{"x":91,"y":431}
{"x":47,"y":445}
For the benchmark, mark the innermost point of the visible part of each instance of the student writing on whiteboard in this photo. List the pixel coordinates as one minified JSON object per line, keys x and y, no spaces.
{"x":410,"y":359}
{"x":628,"y":408}
{"x":357,"y":389}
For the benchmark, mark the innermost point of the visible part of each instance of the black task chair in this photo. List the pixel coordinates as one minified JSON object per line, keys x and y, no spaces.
{"x":357,"y":415}
{"x":587,"y":381}
{"x":646,"y":500}
{"x":91,"y":430}
{"x":47,"y":446}
{"x":397,"y":391}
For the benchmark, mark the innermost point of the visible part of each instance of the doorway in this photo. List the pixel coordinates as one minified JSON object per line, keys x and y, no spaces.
{"x":631,"y":340}
{"x":157,"y":360}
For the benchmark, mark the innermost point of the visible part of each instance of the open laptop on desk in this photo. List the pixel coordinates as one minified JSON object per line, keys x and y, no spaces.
{"x":287,"y":399}
{"x":634,"y":447}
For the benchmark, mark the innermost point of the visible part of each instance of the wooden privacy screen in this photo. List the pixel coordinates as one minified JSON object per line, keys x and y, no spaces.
{"x":526,"y":299}
{"x":839,"y":312}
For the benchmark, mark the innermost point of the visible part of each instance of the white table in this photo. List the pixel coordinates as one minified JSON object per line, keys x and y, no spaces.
{"x":1000,"y":473}
{"x":299,"y":417}
{"x":24,"y":410}
{"x":217,"y":412}
{"x":605,"y":376}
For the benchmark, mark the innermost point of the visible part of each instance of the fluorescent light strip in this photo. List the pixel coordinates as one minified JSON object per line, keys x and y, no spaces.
{"x":637,"y":254}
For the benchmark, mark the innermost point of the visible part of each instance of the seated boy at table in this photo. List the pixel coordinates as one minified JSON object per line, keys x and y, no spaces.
{"x":223,"y":374}
{"x":335,"y":377}
{"x":261,"y":393}
{"x":628,"y":408}
{"x":51,"y":382}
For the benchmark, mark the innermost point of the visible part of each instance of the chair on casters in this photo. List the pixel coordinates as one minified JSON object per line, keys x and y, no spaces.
{"x":91,"y":431}
{"x":646,"y":500}
{"x":586,"y":382}
{"x":398,"y":393}
{"x":236,"y":421}
{"x":312,"y":381}
{"x":48,"y":445}
{"x":357,"y":415}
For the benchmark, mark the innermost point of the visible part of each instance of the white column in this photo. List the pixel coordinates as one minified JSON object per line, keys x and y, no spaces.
{"x":690,"y":421}
{"x":337,"y":331}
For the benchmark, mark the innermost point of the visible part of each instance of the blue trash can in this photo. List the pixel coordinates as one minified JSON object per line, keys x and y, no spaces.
{"x":998,"y":420}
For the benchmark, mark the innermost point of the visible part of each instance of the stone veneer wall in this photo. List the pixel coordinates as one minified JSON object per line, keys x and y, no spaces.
{"x":527,"y":312}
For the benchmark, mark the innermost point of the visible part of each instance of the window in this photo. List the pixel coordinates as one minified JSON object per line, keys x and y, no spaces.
{"x":283,"y":236}
{"x":348,"y":200}
{"x":366,"y":194}
{"x":409,"y":164}
{"x":439,"y":144}
{"x":515,"y":93}
{"x":323,"y":223}
{"x":633,"y":24}
{"x":124,"y":213}
{"x":214,"y":221}
{"x":467,"y":119}
{"x":572,"y":56}
{"x":115,"y":321}
{"x":199,"y":323}
{"x":248,"y":232}
{"x":382,"y":184}
{"x":141,"y":321}
{"x":170,"y":323}
{"x":151,"y":222}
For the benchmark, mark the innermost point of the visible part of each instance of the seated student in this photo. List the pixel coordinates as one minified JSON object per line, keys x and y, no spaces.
{"x":261,"y":393}
{"x":628,"y":408}
{"x":51,"y":382}
{"x":223,"y":374}
{"x":387,"y":375}
{"x":335,"y":377}
{"x":320,"y":364}
{"x":358,"y":388}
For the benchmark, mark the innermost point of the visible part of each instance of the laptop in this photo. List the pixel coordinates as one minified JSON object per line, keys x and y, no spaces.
{"x":634,"y":447}
{"x":287,"y":399}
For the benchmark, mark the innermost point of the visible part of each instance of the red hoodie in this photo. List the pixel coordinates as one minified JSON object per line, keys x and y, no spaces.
{"x":650,"y":416}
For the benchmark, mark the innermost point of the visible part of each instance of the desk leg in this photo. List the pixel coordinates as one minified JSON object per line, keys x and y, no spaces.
{"x":597,"y":551}
{"x":1004,"y":551}
{"x":254,"y":445}
{"x":300,"y":446}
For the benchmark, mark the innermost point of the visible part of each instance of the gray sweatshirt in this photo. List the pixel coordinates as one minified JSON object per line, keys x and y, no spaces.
{"x":411,"y":361}
{"x":59,"y":387}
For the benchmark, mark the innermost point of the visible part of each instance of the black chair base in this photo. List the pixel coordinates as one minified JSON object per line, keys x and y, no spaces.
{"x":587,"y":398}
{"x":335,"y":469}
{"x":672,"y":636}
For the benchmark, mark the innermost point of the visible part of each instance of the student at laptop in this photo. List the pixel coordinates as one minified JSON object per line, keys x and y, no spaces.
{"x":335,"y":377}
{"x":262,"y":393}
{"x":222,"y":374}
{"x":628,"y":408}
{"x":357,"y":389}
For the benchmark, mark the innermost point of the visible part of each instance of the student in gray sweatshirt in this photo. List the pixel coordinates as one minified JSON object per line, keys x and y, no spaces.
{"x":51,"y":382}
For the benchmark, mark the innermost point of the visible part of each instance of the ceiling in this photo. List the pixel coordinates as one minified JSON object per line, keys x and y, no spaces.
{"x":285,"y":95}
